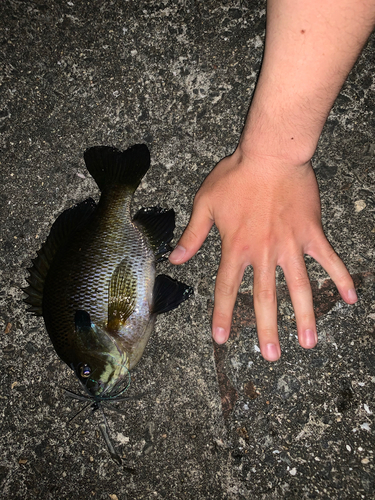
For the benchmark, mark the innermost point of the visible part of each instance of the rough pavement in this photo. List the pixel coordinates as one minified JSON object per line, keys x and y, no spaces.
{"x":207,"y":422}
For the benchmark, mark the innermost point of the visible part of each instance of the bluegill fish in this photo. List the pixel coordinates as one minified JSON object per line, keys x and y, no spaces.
{"x":94,"y":279}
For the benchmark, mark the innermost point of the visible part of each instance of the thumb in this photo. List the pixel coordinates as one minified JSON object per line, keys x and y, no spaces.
{"x":193,"y":237}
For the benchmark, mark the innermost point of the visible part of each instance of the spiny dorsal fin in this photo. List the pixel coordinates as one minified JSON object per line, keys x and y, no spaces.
{"x":60,"y":233}
{"x":158,"y":225}
{"x":122,"y":295}
{"x":111,"y":167}
{"x":169,"y":294}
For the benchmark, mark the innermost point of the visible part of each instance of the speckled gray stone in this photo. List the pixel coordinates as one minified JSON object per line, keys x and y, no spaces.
{"x":178,"y":76}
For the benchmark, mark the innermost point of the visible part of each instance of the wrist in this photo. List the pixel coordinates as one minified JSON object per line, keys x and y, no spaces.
{"x":287,"y":134}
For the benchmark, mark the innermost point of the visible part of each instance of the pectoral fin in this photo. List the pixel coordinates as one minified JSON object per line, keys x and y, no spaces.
{"x":169,"y":294}
{"x":122,"y":295}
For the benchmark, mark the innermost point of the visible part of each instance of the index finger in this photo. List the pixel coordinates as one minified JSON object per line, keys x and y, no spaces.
{"x":228,"y":281}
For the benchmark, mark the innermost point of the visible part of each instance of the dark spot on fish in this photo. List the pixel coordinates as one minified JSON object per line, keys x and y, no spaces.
{"x":82,"y":321}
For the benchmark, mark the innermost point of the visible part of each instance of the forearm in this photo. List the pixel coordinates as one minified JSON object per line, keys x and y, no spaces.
{"x":310,"y":48}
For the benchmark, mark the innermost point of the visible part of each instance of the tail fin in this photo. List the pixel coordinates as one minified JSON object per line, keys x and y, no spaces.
{"x":111,"y":167}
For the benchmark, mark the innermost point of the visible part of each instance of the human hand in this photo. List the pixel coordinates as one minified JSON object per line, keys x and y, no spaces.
{"x":268,"y":214}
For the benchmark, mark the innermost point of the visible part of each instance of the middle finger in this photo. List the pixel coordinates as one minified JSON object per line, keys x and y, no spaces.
{"x":265,"y":306}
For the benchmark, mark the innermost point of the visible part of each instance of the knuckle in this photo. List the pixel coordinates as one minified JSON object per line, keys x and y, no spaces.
{"x":265,"y":295}
{"x":222,"y":318}
{"x":238,"y":245}
{"x":337,"y":268}
{"x":267,"y":334}
{"x":300,"y":282}
{"x":333,"y":258}
{"x":225,"y":289}
{"x":297,"y":277}
{"x":236,"y":241}
{"x":268,"y":242}
{"x":306,"y":318}
{"x":263,"y":272}
{"x":190,"y":233}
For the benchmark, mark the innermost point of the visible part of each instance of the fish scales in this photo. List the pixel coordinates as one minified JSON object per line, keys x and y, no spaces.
{"x":94,"y":280}
{"x":115,"y":239}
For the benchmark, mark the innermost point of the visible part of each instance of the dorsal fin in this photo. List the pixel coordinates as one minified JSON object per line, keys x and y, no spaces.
{"x":111,"y":167}
{"x":158,"y":225}
{"x":60,"y":233}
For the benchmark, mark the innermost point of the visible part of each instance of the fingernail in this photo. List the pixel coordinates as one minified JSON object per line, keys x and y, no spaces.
{"x":219,"y":335}
{"x":310,"y":339}
{"x":178,"y":253}
{"x":352,"y":295}
{"x":272,"y":352}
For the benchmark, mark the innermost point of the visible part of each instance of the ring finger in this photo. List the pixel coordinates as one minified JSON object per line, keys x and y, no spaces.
{"x":300,"y":292}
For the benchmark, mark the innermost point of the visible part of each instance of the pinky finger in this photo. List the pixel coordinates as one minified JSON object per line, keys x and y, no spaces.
{"x":331,"y":262}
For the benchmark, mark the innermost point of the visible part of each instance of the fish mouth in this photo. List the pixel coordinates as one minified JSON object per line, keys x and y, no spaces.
{"x":100,"y":391}
{"x":110,"y":394}
{"x":113,"y":380}
{"x":98,"y":401}
{"x":102,"y":367}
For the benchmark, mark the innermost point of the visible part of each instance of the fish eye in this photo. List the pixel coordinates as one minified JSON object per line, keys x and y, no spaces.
{"x":85,"y":371}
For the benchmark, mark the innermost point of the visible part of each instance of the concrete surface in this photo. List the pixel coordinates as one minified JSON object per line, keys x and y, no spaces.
{"x":209,"y":423}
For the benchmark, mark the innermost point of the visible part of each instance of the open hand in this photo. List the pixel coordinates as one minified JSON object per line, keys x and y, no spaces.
{"x":268,"y":215}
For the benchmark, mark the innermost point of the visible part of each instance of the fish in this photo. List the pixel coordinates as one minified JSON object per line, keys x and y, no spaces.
{"x":94,"y":279}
